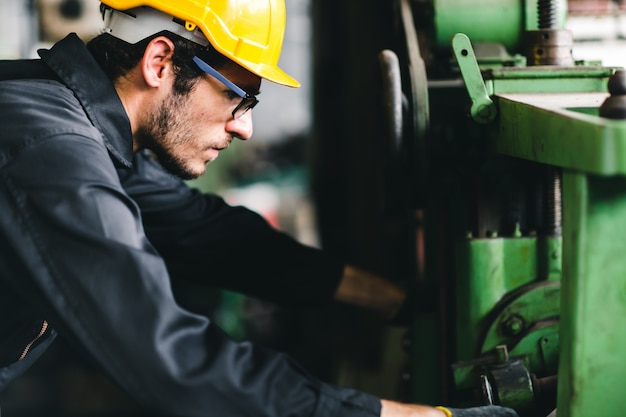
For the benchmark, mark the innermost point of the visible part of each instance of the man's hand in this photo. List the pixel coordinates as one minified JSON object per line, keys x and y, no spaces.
{"x":486,"y":411}
{"x":396,"y":409}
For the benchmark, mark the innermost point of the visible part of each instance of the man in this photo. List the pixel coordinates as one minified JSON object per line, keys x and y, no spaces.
{"x":178,"y":78}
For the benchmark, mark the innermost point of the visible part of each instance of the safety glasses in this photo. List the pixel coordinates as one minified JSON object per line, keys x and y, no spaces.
{"x":248,"y":101}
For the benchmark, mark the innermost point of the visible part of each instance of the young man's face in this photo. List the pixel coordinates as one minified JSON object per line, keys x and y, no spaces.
{"x":186,"y":132}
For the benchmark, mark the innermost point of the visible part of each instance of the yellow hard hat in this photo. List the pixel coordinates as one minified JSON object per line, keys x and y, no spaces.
{"x":248,"y":32}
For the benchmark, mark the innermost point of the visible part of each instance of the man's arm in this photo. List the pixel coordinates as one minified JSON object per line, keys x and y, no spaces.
{"x":186,"y":225}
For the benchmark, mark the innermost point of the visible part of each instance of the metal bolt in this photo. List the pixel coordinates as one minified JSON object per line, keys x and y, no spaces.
{"x":513,"y":325}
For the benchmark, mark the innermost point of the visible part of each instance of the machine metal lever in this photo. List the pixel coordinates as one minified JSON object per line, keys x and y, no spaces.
{"x":483,"y":109}
{"x":393,"y":98}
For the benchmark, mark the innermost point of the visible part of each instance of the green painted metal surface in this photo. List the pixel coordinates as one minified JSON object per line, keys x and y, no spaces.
{"x":549,"y":115}
{"x":557,"y":129}
{"x":578,"y":79}
{"x":487,"y":269}
{"x":593,"y":338}
{"x":507,"y":294}
{"x":502,"y":21}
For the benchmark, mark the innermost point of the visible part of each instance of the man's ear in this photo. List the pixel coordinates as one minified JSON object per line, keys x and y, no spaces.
{"x":156,"y":63}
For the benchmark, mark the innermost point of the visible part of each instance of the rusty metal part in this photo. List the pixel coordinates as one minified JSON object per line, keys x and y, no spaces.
{"x":511,"y":384}
{"x":549,"y":47}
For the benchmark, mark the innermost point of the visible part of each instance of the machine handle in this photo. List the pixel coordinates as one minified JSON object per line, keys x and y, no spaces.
{"x":483,"y":109}
{"x":392,"y":96}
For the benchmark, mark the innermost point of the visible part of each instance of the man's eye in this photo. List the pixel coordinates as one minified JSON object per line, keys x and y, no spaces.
{"x":232,"y":95}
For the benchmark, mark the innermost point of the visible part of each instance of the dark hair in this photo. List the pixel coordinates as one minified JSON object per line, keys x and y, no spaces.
{"x":117,"y":57}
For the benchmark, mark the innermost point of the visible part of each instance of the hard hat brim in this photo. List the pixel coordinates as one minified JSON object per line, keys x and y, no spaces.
{"x":270,"y":73}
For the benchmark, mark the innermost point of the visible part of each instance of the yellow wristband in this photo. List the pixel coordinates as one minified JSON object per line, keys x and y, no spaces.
{"x":447,"y":412}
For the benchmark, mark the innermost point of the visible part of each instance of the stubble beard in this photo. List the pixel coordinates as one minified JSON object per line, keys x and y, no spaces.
{"x":165,"y":131}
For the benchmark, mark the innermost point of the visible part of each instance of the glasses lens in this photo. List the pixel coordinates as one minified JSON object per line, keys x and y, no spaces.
{"x":246,"y":103}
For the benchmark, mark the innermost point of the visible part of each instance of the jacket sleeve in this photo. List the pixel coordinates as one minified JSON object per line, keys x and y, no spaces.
{"x":73,"y":246}
{"x":189,"y":228}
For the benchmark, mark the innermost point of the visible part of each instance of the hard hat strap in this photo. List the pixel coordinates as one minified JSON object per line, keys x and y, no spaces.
{"x":136,"y":24}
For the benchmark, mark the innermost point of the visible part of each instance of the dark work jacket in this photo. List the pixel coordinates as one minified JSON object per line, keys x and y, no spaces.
{"x":74,"y":257}
{"x":205,"y":240}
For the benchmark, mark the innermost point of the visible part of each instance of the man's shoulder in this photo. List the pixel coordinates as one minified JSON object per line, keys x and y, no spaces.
{"x":35,"y":109}
{"x":25,"y":69}
{"x":39,"y":102}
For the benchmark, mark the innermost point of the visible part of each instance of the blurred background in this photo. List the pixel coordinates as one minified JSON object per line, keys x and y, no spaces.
{"x":279,"y":174}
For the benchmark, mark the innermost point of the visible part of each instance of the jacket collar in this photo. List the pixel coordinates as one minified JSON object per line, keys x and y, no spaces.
{"x":70,"y":60}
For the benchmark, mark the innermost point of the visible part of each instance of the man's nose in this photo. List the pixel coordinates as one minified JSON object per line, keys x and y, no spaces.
{"x":241,"y":128}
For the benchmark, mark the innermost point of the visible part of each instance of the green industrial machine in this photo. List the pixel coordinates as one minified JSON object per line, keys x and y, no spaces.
{"x":538,"y":282}
{"x":508,"y":158}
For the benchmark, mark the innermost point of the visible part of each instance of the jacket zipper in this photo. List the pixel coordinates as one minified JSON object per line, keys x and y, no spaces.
{"x":44,"y":327}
